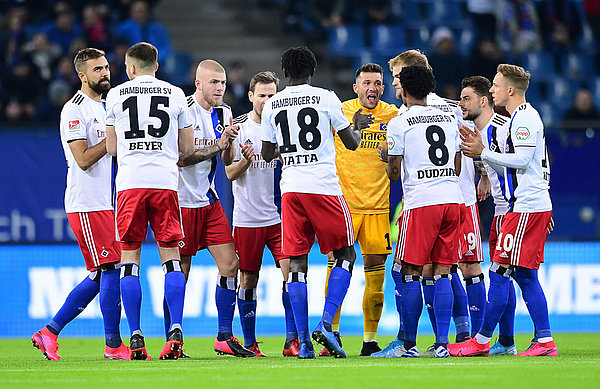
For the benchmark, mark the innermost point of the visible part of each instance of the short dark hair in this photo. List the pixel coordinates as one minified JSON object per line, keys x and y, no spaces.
{"x":417,"y":81}
{"x":298,"y":62}
{"x":85,"y":55}
{"x":145,"y":53}
{"x":369,"y":68}
{"x":480,"y":85}
{"x":264,"y":78}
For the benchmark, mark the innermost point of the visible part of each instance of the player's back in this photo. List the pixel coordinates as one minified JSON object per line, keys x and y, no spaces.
{"x":529,"y":187}
{"x":428,"y":140}
{"x":299,"y":119}
{"x":147,"y":114}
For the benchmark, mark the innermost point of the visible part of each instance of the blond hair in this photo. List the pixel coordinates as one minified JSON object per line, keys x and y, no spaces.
{"x":408,"y":58}
{"x":515,"y":76}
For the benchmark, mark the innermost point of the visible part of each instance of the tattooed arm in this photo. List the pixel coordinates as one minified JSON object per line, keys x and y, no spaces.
{"x":393,"y":167}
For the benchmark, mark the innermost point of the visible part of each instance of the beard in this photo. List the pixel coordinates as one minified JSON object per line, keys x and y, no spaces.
{"x":100,"y":87}
{"x":471,"y":116}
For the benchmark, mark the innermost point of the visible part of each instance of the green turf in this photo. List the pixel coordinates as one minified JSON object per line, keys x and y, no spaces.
{"x":82,"y":366}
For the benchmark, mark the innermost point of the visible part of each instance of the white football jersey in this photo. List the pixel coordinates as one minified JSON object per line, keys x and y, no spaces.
{"x":299,"y":119}
{"x":528,"y":187}
{"x":147,"y":114}
{"x":197,"y":182}
{"x":466,"y":180}
{"x":428,"y":140}
{"x":256,"y":192}
{"x":82,"y":118}
{"x":493,"y":136}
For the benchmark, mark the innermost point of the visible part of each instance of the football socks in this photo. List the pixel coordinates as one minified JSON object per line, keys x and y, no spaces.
{"x":442,"y":306}
{"x":246,"y":300}
{"x":110,"y":305}
{"x":225,"y":299}
{"x":131,"y":295}
{"x":373,"y":300}
{"x":535,"y":299}
{"x":476,"y":297}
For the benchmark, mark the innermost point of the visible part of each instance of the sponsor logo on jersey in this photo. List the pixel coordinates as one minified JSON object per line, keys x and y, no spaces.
{"x":390,"y":143}
{"x":248,"y":142}
{"x":74,"y":125}
{"x":473,"y":308}
{"x":522,"y":133}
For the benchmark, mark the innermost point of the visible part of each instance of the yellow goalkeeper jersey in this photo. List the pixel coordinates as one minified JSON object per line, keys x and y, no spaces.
{"x":364,"y":181}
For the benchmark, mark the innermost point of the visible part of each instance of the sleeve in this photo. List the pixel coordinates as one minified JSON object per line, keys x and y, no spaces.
{"x":518,"y":160}
{"x":337,"y":116}
{"x":267,"y":133}
{"x":110,"y":108}
{"x":395,"y":137}
{"x":525,"y":130}
{"x":185,"y":118}
{"x":73,"y":122}
{"x":456,"y":136}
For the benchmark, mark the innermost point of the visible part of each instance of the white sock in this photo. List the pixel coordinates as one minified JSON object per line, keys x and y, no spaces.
{"x":482,"y":339}
{"x":545,"y":340}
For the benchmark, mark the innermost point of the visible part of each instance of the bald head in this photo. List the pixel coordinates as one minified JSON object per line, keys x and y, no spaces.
{"x":210,"y":84}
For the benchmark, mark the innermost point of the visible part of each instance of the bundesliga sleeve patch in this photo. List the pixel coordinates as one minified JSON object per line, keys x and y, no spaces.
{"x":522,"y":133}
{"x":74,"y":125}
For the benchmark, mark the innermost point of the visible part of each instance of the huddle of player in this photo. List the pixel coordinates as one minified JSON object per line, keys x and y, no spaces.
{"x":292,"y":152}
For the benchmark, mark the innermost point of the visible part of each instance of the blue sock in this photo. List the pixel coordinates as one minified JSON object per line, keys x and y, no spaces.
{"x":496,"y":304}
{"x":246,"y":301}
{"x":397,"y":277}
{"x":174,"y":291}
{"x":339,"y":280}
{"x":442,"y":305}
{"x":412,"y":306}
{"x":506,"y":326}
{"x":460,"y":310}
{"x":428,"y":293}
{"x":110,"y":305}
{"x":476,"y":297}
{"x":76,"y":301}
{"x":299,"y":300}
{"x":131,"y":294}
{"x":290,"y":324}
{"x":225,"y":300}
{"x":535,"y":299}
{"x":166,"y":318}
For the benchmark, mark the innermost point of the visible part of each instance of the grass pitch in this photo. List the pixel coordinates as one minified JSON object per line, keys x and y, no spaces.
{"x":82,"y":367}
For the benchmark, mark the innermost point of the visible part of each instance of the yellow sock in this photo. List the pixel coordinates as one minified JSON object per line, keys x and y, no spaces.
{"x":373,"y":300}
{"x":335,"y":326}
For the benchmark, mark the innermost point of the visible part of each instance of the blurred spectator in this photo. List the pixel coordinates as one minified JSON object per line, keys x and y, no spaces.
{"x":140,"y":28}
{"x":560,"y":24}
{"x":582,"y":114}
{"x":12,"y":38}
{"x":23,"y":87}
{"x":94,"y":28}
{"x":236,"y":93}
{"x":373,"y":12}
{"x":484,"y":59}
{"x":447,"y":63}
{"x":483,"y":13}
{"x":116,"y":60}
{"x":519,"y":27}
{"x":63,"y":31}
{"x":49,"y":110}
{"x":43,"y":54}
{"x":591,"y":8}
{"x":65,"y":71}
{"x":189,"y":86}
{"x":328,"y":13}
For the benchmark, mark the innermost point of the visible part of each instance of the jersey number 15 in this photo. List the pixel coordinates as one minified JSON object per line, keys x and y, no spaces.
{"x":135,"y":131}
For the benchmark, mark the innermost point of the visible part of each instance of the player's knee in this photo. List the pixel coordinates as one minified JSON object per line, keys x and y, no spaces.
{"x":299,"y":264}
{"x":346,"y":253}
{"x":131,"y":245}
{"x":248,"y":279}
{"x":95,"y":276}
{"x":524,"y":276}
{"x":411,"y":270}
{"x":344,"y":264}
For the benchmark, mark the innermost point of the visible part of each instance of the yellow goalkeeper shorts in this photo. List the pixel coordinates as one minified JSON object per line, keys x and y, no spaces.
{"x":372,"y":233}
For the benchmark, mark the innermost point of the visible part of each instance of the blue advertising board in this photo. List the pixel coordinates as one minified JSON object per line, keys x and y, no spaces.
{"x":35,"y":280}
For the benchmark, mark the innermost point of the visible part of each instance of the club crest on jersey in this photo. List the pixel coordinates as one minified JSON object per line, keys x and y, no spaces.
{"x":73,"y":124}
{"x":522,"y":133}
{"x":390,"y":143}
{"x":219,"y":128}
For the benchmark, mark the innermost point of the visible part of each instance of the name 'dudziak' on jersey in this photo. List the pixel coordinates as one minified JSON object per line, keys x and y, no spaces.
{"x":300,"y":119}
{"x":528,"y":188}
{"x":494,"y":138}
{"x":256,"y":193}
{"x":428,"y":140}
{"x":197,"y":182}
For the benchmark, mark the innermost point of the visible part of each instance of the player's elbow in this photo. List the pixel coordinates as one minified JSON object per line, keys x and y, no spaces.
{"x":83,"y":165}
